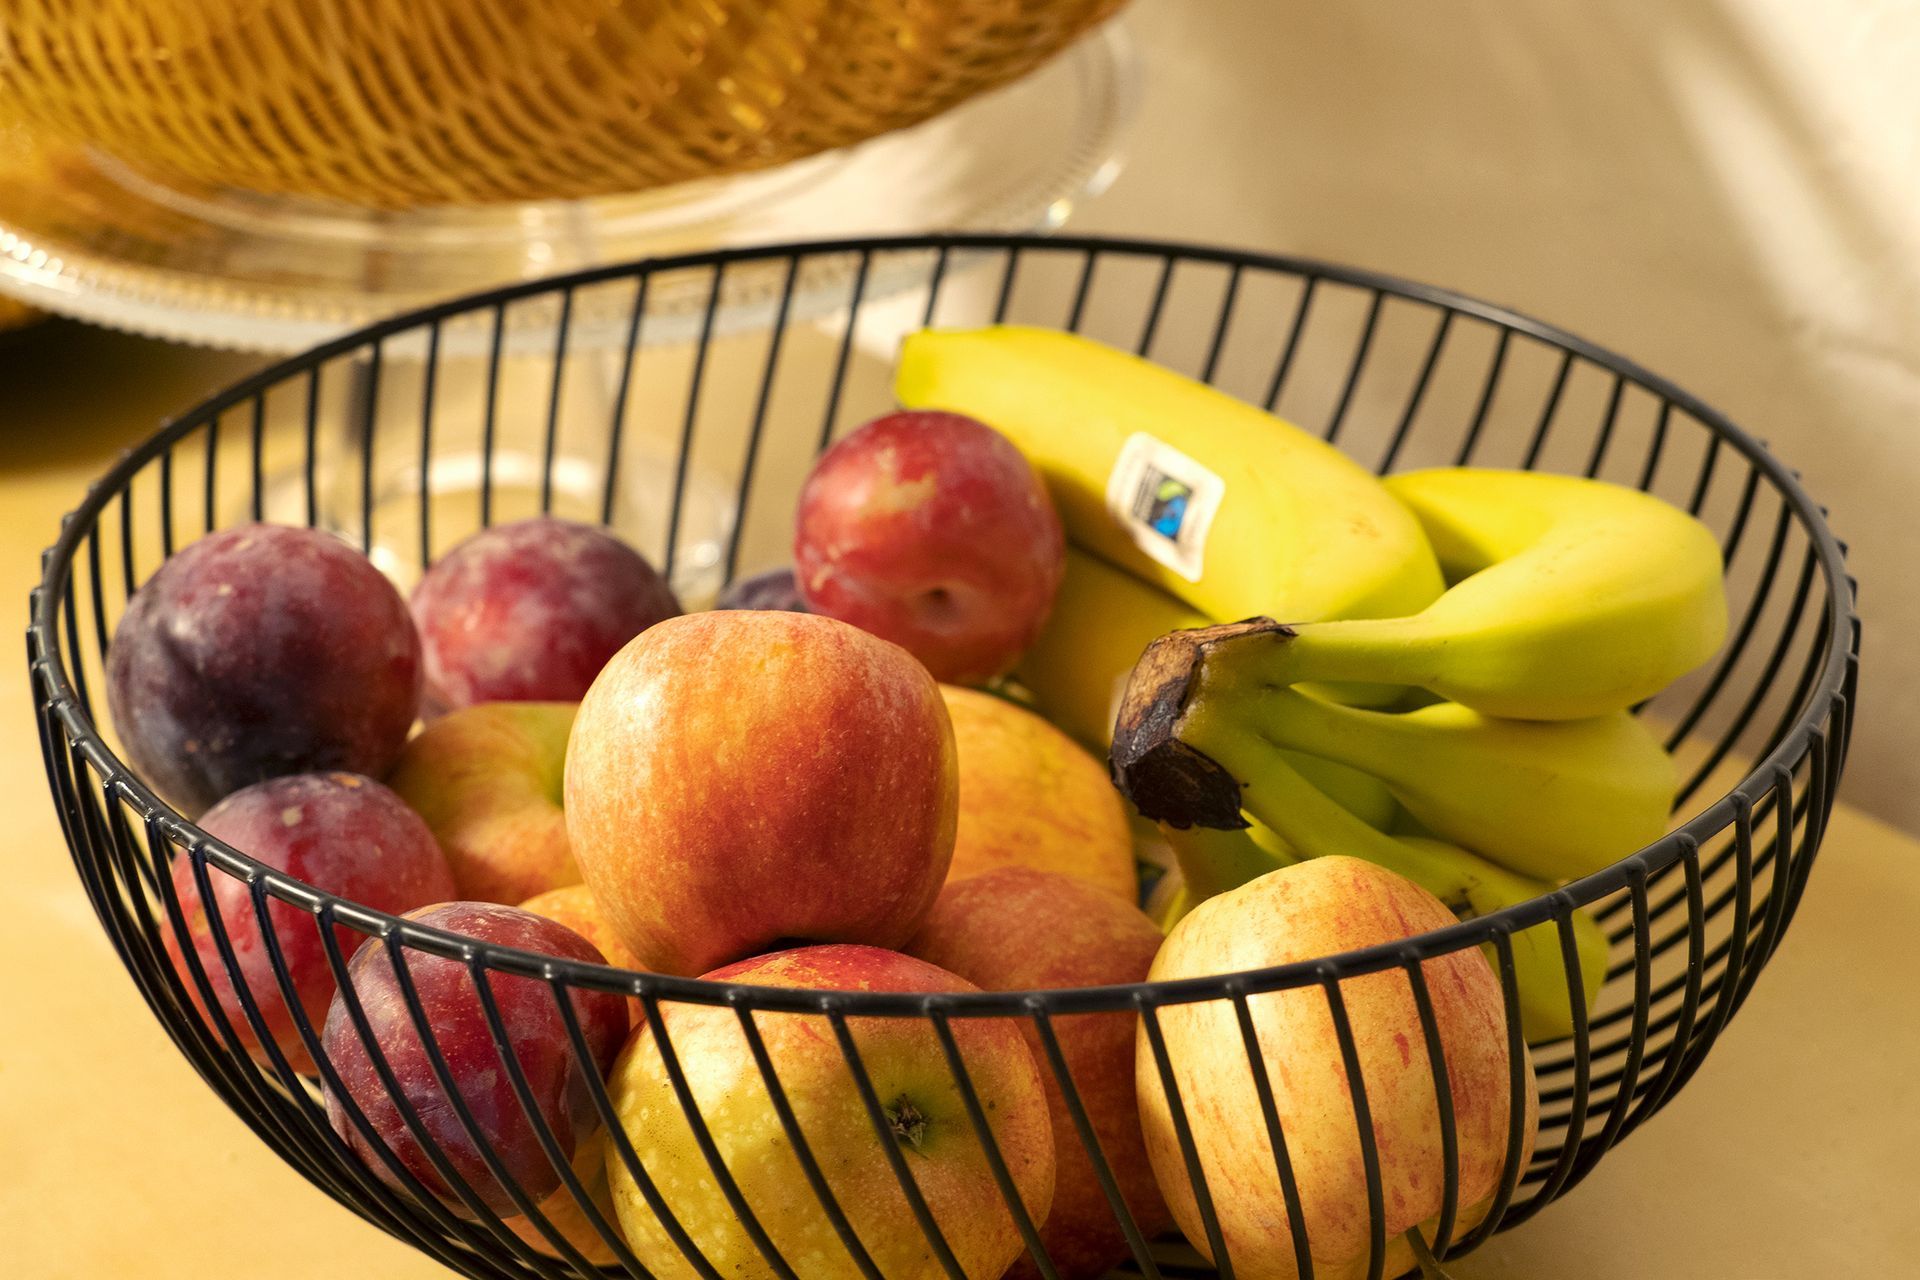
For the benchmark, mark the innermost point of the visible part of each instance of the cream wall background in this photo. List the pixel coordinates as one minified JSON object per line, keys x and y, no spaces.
{"x":1725,"y":190}
{"x":1720,"y":188}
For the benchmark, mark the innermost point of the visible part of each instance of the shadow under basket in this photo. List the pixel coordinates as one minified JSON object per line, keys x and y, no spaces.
{"x":602,"y":396}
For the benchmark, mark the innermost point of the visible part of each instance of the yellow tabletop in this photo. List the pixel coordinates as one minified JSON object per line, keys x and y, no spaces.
{"x":1791,"y":1153}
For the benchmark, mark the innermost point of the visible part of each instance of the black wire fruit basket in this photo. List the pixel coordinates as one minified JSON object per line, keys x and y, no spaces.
{"x":604,"y":396}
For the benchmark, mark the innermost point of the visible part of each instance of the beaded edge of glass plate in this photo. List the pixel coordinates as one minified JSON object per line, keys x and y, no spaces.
{"x":101,"y":275}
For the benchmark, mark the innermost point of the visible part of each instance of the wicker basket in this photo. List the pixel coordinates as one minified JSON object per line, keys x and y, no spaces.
{"x":403,"y":103}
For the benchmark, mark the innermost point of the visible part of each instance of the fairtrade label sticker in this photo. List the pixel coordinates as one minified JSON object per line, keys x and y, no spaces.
{"x":1166,"y":502}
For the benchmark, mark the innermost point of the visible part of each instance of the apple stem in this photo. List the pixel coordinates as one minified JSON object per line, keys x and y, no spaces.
{"x":908,"y":1122}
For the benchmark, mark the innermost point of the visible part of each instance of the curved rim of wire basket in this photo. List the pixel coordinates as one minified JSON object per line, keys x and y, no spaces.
{"x":1831,"y":688}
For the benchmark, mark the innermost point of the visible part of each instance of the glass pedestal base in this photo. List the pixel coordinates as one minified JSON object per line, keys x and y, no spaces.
{"x":84,"y":235}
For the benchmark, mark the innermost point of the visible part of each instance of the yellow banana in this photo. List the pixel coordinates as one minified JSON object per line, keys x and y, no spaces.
{"x":1553,"y":800}
{"x":1572,"y":598}
{"x":1103,"y":619}
{"x":1230,"y":509}
{"x":1276,"y":796}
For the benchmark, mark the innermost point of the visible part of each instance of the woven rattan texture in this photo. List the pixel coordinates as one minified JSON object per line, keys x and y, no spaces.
{"x":401,"y":103}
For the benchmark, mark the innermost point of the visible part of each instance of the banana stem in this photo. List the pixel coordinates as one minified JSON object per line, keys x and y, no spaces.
{"x":1380,"y":651}
{"x":1361,"y":794}
{"x":1203,"y":756}
{"x":1302,"y":725}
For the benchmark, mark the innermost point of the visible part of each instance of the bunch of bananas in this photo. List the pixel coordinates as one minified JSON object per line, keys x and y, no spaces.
{"x":1449,"y":694}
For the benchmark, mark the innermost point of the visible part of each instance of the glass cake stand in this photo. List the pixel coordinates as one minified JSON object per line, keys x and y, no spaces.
{"x":85,"y":235}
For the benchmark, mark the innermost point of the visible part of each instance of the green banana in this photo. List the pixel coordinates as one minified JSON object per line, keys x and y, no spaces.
{"x":1228,"y":508}
{"x":1219,"y":859}
{"x":1313,"y":826}
{"x":1360,"y":794}
{"x":1169,"y":901}
{"x":1553,"y":800}
{"x":1571,"y":598}
{"x":1213,"y":860}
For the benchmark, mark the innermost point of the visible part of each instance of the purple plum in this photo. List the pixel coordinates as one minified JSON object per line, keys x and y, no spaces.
{"x":258,"y":652}
{"x":530,"y":612}
{"x":339,"y":832}
{"x":536,"y":1035}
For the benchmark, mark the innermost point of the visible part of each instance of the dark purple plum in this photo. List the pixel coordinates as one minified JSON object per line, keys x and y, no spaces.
{"x":536,"y":1033}
{"x":337,"y":831}
{"x":530,"y":612}
{"x":259,"y":652}
{"x":774,"y":589}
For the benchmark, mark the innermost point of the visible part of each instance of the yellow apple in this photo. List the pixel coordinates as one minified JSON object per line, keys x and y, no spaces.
{"x":487,"y":780}
{"x":1030,"y":796}
{"x":1302,"y":912}
{"x":908,"y":1069}
{"x":573,"y":905}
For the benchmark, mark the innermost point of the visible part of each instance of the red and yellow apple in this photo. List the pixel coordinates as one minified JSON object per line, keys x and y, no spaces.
{"x":1302,"y":912}
{"x":565,"y":1215}
{"x":1030,"y":796}
{"x":488,"y":781}
{"x":1017,"y":929}
{"x":771,"y":589}
{"x":739,"y":779}
{"x":910,"y":1074}
{"x":934,"y":531}
{"x":573,"y":906}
